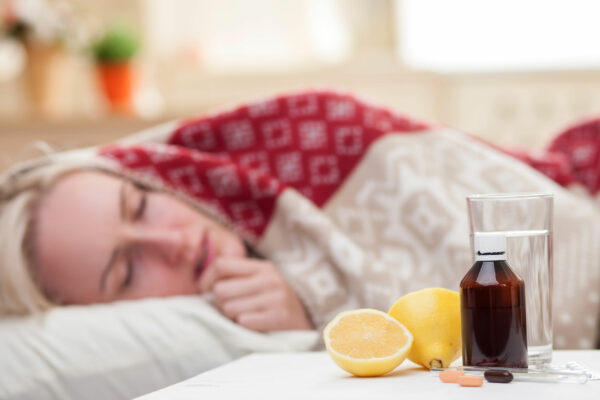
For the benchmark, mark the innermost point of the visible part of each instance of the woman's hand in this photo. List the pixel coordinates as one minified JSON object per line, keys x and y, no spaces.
{"x":254,"y":294}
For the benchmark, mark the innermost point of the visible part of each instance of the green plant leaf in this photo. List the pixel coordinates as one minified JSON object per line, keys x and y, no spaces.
{"x":117,"y":44}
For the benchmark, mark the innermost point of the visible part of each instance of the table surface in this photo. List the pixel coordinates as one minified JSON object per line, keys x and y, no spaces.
{"x":313,"y":375}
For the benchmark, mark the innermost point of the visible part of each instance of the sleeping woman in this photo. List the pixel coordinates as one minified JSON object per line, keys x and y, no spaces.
{"x":99,"y":238}
{"x":286,"y":211}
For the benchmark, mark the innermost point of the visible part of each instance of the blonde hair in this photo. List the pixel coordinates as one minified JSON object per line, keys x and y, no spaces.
{"x":20,"y":189}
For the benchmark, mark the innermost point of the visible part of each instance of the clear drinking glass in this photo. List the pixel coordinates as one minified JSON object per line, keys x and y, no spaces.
{"x":526,"y":220}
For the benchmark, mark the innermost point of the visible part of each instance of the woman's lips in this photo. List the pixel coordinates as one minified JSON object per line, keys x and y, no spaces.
{"x":210,"y":254}
{"x":205,"y":257}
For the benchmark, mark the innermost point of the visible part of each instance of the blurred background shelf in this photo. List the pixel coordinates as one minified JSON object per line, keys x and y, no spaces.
{"x":19,"y":139}
{"x":424,"y":58}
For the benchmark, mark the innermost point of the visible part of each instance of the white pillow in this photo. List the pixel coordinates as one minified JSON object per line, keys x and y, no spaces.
{"x":125,"y":349}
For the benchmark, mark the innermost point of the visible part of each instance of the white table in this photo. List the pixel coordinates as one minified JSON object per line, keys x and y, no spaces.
{"x":314,"y":375}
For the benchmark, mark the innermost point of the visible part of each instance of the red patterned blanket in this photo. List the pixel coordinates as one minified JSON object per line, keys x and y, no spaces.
{"x":357,"y":204}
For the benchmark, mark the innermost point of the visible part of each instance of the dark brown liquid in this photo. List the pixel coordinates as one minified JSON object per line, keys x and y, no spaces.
{"x":494,"y":333}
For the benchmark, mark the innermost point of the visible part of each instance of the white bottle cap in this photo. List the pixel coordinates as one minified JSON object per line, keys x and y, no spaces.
{"x":489,"y":246}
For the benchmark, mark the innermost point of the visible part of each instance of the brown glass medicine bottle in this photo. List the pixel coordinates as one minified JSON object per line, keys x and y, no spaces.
{"x":492,"y":300}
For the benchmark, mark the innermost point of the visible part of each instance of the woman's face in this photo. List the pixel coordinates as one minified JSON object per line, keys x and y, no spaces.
{"x":99,"y":238}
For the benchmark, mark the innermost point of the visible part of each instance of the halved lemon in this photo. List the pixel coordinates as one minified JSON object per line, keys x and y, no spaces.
{"x":367,"y":342}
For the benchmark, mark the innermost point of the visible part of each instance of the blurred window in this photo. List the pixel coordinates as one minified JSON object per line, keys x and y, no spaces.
{"x":241,"y":35}
{"x":488,"y":35}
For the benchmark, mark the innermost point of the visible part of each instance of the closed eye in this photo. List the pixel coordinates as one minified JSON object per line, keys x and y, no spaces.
{"x":128,"y":274}
{"x":139,"y":212}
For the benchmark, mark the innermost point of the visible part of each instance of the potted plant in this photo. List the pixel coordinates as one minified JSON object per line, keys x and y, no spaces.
{"x":47,"y":31}
{"x":113,"y":53}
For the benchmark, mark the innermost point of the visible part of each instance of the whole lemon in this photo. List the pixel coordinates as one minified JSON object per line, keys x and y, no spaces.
{"x":433,"y":317}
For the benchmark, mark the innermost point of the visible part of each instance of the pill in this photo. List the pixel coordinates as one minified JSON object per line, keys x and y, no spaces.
{"x":498,"y":375}
{"x":450,"y":375}
{"x":470,"y":380}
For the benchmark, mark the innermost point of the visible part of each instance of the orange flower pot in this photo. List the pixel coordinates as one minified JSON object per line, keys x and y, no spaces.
{"x":117,"y":80}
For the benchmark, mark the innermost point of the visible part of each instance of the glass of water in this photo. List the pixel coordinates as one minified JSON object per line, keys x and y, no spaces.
{"x":526,"y":220}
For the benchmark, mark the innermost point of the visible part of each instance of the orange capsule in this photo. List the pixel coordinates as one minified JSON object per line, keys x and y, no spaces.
{"x":470,"y":380}
{"x":450,"y":375}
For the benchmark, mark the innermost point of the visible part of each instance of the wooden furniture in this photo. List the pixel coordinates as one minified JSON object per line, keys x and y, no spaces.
{"x":18,"y":140}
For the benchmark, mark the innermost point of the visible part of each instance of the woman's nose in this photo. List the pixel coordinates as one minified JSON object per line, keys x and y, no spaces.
{"x":169,"y":243}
